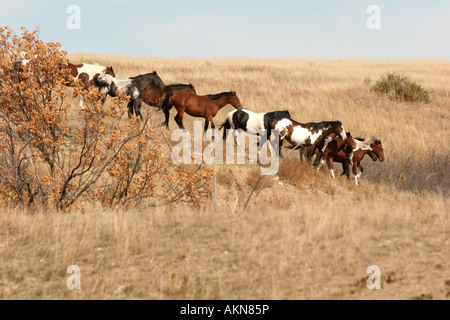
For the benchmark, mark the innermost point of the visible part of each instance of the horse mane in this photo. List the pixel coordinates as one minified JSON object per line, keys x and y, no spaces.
{"x":219,"y":95}
{"x":365,"y":143}
{"x":324,"y":124}
{"x":278,"y":114}
{"x":143,"y":75}
{"x":180,"y":85}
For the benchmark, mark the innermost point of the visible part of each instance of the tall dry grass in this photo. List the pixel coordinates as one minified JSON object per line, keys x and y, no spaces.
{"x":308,"y":236}
{"x":320,"y":248}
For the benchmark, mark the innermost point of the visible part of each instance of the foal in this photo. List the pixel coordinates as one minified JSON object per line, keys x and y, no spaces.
{"x":337,"y":145}
{"x":369,"y":146}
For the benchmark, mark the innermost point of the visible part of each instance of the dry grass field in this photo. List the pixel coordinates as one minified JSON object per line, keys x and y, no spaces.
{"x":308,"y":236}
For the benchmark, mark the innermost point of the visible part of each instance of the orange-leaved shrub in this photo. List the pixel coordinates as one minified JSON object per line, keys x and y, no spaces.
{"x":47,"y":159}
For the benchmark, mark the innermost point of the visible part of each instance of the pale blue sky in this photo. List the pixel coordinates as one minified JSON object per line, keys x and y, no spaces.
{"x":321,"y":29}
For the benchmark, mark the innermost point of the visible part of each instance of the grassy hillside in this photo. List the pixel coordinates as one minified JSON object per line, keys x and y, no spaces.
{"x":308,"y":236}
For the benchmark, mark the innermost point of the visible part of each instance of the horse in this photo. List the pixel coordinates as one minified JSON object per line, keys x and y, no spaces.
{"x":86,"y":73}
{"x":134,"y":87}
{"x":306,"y":134}
{"x":332,"y":146}
{"x":154,"y":96}
{"x":369,"y":146}
{"x":251,"y":122}
{"x":199,"y":106}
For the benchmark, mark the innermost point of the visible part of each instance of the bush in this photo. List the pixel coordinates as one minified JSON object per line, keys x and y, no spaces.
{"x":400,"y":88}
{"x":46,"y":160}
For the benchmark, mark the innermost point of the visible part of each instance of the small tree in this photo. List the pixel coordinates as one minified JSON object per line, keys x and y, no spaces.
{"x":47,"y":159}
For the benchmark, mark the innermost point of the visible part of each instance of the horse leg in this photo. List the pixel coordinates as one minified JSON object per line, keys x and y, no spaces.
{"x":280,"y":147}
{"x":323,"y":156}
{"x":85,"y":81}
{"x":346,"y":168}
{"x":130,"y":109}
{"x":317,"y":160}
{"x":330,"y":162}
{"x":235,"y":137}
{"x":179,"y":119}
{"x":310,"y":152}
{"x":361,"y":168}
{"x":355,"y":172}
{"x":137,"y":108}
{"x":301,"y":152}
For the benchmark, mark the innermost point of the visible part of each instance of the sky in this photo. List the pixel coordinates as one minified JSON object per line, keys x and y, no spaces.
{"x":261,"y":29}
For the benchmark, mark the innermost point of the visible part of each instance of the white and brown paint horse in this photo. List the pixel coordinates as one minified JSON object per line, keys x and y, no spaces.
{"x":86,"y":73}
{"x":369,"y":146}
{"x":306,"y":134}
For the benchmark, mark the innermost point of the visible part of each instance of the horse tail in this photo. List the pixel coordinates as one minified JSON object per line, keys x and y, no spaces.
{"x":226,"y":126}
{"x":268,"y":119}
{"x":166,"y":101}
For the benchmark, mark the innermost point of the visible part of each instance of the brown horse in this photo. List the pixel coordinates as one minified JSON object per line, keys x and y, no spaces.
{"x":337,"y":145}
{"x":369,"y":146}
{"x":154,"y":96}
{"x":199,"y":106}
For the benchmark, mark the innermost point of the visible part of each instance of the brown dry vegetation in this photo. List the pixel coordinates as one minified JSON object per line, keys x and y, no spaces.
{"x":308,"y":236}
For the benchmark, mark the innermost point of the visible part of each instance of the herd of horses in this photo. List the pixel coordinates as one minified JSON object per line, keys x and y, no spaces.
{"x":326,"y":140}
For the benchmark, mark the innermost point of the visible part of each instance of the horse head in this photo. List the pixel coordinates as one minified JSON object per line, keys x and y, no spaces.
{"x":338,"y":129}
{"x":234,"y":100}
{"x":377,"y":149}
{"x":104,"y":82}
{"x":349,"y":140}
{"x":285,"y":114}
{"x":109,"y":70}
{"x":373,"y":156}
{"x":157,"y":81}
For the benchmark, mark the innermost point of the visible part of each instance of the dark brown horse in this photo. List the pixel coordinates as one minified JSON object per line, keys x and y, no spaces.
{"x":199,"y":106}
{"x":154,"y":96}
